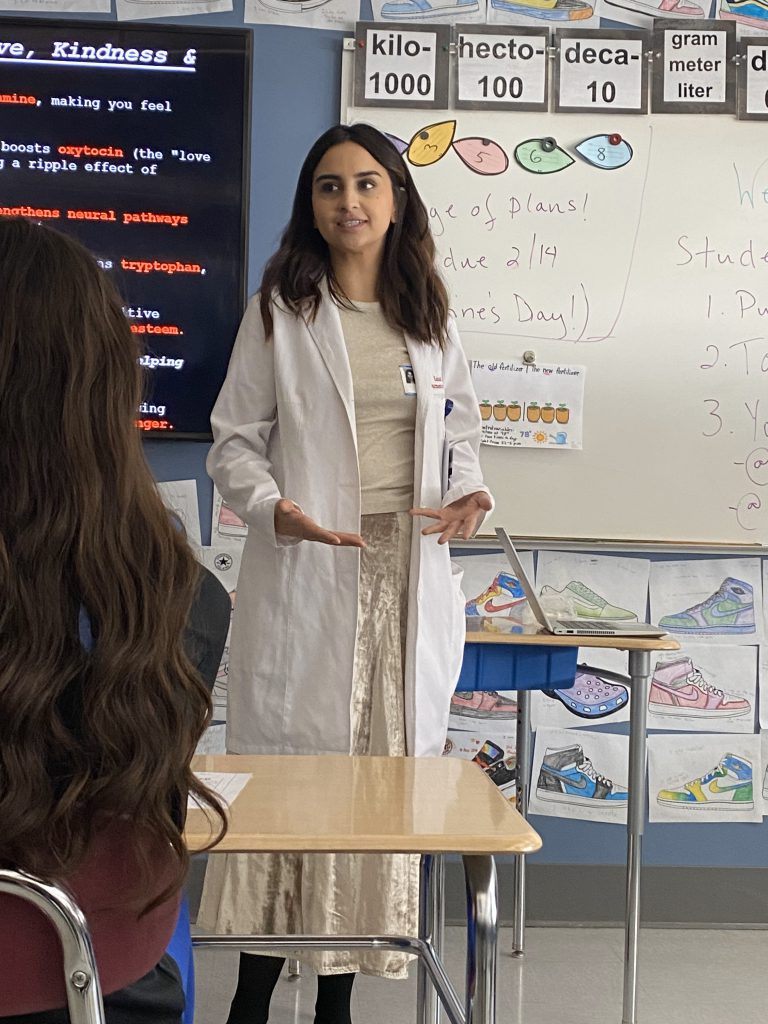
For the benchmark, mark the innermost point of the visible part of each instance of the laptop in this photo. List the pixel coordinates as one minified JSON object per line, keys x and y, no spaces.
{"x":570,"y":627}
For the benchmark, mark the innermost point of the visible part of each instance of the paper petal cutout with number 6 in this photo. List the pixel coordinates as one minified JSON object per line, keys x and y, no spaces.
{"x":482,"y":156}
{"x":606,"y":151}
{"x":542,"y":156}
{"x":430,"y":144}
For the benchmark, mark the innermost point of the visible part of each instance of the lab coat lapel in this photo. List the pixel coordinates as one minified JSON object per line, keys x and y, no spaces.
{"x":325,"y":330}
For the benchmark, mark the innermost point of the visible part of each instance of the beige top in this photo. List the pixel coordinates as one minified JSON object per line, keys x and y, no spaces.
{"x":385,"y":415}
{"x":364,"y":805}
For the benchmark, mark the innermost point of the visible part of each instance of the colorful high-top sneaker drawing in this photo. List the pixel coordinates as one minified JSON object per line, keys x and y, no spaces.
{"x":482,"y":704}
{"x":746,"y":12}
{"x":398,"y":10}
{"x":728,"y":785}
{"x":546,"y":10}
{"x":678,"y":689}
{"x":663,"y":8}
{"x":503,"y":772}
{"x":592,"y":697}
{"x":566,"y":776}
{"x":589,"y":605}
{"x":504,"y":593}
{"x":729,"y":610}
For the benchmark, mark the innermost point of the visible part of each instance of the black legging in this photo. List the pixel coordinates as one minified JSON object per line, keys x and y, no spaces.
{"x":256,"y":980}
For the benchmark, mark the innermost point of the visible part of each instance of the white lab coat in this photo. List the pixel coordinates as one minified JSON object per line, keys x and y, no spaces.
{"x":284,"y":426}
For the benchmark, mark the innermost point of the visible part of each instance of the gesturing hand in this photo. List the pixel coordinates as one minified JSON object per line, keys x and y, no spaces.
{"x":290,"y":521}
{"x":459,"y":519}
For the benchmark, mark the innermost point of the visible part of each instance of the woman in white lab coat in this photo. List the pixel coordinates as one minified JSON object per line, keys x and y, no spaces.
{"x":346,"y":419}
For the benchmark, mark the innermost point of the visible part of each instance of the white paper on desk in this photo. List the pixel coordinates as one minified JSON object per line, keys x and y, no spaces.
{"x":712,"y":600}
{"x":715,"y":683}
{"x":578,"y":756}
{"x":180,"y":496}
{"x":226,"y":785}
{"x":595,"y":586}
{"x":489,"y":584}
{"x":680,"y":767}
{"x":558,"y":711}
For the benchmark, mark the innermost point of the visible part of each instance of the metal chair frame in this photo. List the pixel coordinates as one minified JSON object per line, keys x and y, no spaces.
{"x":81,"y":977}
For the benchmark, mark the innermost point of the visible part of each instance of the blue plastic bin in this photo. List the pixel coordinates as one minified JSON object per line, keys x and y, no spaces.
{"x":512,"y":667}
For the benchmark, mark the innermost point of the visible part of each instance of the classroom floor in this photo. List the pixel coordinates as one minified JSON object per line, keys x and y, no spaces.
{"x":569,"y":976}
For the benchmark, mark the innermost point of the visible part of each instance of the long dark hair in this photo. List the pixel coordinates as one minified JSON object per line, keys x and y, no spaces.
{"x":413,"y":297}
{"x":85,"y":735}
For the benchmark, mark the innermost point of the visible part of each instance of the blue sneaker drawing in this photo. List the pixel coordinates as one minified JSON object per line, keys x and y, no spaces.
{"x":546,"y":10}
{"x":399,"y":10}
{"x":567,"y":776}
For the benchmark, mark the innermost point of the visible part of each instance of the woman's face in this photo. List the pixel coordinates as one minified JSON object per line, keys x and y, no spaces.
{"x":352,"y":201}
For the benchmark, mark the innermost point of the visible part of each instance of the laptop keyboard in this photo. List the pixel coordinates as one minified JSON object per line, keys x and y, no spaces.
{"x":586,"y":626}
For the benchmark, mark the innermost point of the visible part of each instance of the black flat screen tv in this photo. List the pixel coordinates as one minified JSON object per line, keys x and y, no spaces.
{"x":135,"y":141}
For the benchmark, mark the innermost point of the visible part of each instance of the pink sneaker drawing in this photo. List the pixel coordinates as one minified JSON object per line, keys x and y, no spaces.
{"x":482,"y":704}
{"x":678,"y":689}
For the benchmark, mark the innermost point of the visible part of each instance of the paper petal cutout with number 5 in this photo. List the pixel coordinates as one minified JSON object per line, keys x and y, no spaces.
{"x":430,"y":144}
{"x":482,"y":156}
{"x":606,"y":151}
{"x":542,"y":156}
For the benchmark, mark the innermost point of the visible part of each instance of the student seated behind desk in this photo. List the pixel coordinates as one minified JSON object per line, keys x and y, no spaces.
{"x":100,"y":704}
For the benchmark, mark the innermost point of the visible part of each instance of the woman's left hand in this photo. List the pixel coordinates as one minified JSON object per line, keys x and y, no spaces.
{"x":459,"y":519}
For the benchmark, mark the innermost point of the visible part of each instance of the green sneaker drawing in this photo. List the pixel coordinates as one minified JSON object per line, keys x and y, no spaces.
{"x":729,"y":610}
{"x":589,"y":605}
{"x":728,"y":784}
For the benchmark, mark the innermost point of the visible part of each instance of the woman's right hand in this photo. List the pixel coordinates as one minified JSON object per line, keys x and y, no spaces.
{"x":290,"y":521}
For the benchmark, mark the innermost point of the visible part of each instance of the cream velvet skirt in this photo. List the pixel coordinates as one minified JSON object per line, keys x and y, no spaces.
{"x":341,"y":893}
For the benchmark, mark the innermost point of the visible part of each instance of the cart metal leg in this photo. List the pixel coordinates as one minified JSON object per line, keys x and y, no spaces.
{"x":523,"y":770}
{"x":482,"y":924}
{"x":639,"y":672}
{"x":427,"y":1008}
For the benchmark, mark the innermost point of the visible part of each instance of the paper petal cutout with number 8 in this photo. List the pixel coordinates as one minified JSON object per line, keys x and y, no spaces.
{"x":430,"y":144}
{"x":606,"y":151}
{"x":482,"y":156}
{"x":542,"y":156}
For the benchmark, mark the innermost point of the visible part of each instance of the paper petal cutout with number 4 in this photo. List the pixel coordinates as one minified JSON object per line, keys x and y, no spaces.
{"x":606,"y":151}
{"x":430,"y":144}
{"x":482,"y":156}
{"x":542,"y":156}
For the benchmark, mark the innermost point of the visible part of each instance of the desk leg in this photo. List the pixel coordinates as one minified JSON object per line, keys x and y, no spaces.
{"x":482,"y":922}
{"x":523,"y":768}
{"x":427,"y":1007}
{"x":639,"y":671}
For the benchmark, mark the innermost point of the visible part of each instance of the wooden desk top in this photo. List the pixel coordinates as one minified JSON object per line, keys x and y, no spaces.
{"x":364,"y":804}
{"x":502,"y":630}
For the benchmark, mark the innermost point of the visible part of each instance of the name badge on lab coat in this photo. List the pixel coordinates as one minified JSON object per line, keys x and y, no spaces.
{"x":408,"y":379}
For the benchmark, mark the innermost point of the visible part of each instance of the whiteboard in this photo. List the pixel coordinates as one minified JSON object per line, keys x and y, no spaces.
{"x":654,"y":277}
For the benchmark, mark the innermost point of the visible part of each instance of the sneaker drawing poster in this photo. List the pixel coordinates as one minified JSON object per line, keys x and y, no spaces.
{"x":444,"y":11}
{"x":490,"y":587}
{"x":705,"y":778}
{"x":330,"y":14}
{"x":557,"y":13}
{"x":180,"y":496}
{"x":223,"y":560}
{"x":580,"y":775}
{"x":704,"y":688}
{"x":494,"y":754}
{"x":226,"y":524}
{"x":764,"y":784}
{"x":717,"y":600}
{"x":530,"y":405}
{"x":593,"y":587}
{"x":135,"y":10}
{"x":595,"y":699}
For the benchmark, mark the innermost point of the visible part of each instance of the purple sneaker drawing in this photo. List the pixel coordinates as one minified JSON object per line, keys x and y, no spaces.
{"x":591,"y":696}
{"x":729,"y":610}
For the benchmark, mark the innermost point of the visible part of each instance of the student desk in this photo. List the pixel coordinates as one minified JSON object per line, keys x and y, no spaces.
{"x":491,"y":631}
{"x":337,"y":804}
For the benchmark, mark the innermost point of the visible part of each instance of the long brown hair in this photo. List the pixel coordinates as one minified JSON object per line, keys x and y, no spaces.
{"x":413,"y":297}
{"x":85,"y":735}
